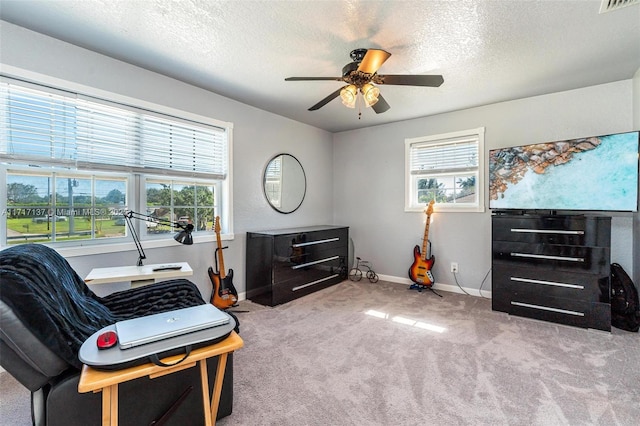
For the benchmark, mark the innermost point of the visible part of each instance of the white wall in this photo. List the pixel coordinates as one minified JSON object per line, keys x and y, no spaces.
{"x":369,"y":179}
{"x":257,"y":137}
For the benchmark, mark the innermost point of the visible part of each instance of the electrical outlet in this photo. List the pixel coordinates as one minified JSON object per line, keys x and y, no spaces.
{"x":454,"y":267}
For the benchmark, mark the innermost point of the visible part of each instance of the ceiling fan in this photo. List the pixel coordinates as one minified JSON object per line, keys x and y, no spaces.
{"x":361,"y":75}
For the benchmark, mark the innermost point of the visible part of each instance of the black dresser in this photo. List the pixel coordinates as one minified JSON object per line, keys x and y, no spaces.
{"x":553,"y":267}
{"x":285,"y":264}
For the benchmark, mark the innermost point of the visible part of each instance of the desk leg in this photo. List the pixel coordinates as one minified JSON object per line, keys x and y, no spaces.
{"x":110,"y":406}
{"x":204,"y":378}
{"x":217,"y":385}
{"x":211,"y":411}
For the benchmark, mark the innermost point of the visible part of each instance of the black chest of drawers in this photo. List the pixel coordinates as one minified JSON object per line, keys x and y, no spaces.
{"x":285,"y":264}
{"x":554,"y":268}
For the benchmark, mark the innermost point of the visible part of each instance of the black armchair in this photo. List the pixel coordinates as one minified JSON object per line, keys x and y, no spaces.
{"x":47,"y":313}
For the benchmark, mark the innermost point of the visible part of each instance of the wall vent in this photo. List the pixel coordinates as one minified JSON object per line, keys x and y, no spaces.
{"x":609,"y":5}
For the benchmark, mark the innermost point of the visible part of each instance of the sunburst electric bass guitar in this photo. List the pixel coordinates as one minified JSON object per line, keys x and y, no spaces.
{"x":224,"y":294}
{"x":420,"y":270}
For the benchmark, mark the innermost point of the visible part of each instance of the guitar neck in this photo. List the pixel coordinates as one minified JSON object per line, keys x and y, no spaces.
{"x":220,"y":256}
{"x":425,"y":239}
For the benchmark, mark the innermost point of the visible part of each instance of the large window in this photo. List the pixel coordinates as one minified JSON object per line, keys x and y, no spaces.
{"x":446,"y":168}
{"x":73,"y":164}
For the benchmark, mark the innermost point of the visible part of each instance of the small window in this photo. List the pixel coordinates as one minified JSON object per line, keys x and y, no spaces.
{"x":182,"y":201}
{"x":446,"y":168}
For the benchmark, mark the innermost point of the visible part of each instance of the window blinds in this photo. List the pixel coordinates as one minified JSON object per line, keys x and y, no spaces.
{"x":453,"y":155}
{"x":37,"y":125}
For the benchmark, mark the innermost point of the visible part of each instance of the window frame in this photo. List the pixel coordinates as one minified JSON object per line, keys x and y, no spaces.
{"x":411,"y":205}
{"x":178,"y":180}
{"x":57,"y":174}
{"x":136,"y":193}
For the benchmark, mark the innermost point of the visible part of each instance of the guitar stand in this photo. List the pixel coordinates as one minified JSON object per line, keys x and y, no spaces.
{"x":235,"y":311}
{"x":420,"y":287}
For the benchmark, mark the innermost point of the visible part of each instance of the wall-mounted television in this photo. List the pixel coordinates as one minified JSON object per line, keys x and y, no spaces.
{"x":598,"y":173}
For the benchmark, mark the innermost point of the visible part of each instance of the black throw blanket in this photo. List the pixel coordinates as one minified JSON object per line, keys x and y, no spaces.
{"x":47,"y":295}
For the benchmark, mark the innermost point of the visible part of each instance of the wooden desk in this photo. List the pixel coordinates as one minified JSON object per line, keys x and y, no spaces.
{"x":138,"y":275}
{"x":107,"y":381}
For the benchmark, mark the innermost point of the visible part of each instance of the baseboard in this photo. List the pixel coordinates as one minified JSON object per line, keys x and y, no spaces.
{"x":406,"y":281}
{"x":440,"y":286}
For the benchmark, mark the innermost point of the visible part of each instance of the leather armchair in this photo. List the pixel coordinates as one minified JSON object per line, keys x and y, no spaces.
{"x":47,"y":312}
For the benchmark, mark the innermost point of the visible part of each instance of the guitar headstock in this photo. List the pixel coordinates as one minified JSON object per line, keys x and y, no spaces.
{"x":429,"y":208}
{"x":217,"y":225}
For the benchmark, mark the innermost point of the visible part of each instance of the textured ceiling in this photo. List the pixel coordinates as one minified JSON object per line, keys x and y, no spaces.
{"x":487,"y":51}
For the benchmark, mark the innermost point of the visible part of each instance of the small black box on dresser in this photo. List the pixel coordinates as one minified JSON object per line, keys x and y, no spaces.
{"x":285,"y":264}
{"x":553,"y":268}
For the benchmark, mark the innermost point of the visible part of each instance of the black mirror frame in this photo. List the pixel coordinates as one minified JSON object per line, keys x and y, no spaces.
{"x":264,"y":181}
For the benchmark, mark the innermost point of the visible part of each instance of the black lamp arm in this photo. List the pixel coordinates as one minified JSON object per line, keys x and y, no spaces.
{"x":135,"y":215}
{"x":183,"y":237}
{"x":136,"y":239}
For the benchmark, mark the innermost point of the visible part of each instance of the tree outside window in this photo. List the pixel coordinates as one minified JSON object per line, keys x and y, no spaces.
{"x":183,"y":202}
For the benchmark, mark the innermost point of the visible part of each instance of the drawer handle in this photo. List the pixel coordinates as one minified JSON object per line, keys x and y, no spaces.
{"x":547,"y":231}
{"x":553,"y":283}
{"x":311,"y":243}
{"x":544,"y":256}
{"x":300,"y":287}
{"x":547,"y":308}
{"x":315,"y":262}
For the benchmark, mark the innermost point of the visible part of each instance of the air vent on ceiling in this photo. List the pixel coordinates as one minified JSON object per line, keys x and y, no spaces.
{"x":609,"y":5}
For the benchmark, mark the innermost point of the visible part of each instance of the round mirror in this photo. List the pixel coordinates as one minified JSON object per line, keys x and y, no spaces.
{"x":285,"y":183}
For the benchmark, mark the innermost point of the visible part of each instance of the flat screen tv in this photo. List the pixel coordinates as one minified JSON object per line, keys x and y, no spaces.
{"x":598,"y":173}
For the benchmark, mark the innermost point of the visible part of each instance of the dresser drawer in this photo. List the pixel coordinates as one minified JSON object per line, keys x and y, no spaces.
{"x":564,"y":311}
{"x":537,"y":284}
{"x":568,"y":230}
{"x":293,"y":275}
{"x":558,"y":257}
{"x":290,"y":283}
{"x":304,"y":248}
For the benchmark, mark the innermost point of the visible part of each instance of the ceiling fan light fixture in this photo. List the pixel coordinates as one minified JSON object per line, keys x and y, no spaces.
{"x":370,"y":94}
{"x":359,"y":75}
{"x":348,"y":96}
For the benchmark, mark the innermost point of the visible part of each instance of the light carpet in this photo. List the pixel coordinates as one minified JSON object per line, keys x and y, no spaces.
{"x":380,"y":354}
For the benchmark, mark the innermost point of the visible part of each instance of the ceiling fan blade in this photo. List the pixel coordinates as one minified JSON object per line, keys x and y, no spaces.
{"x":410,"y":80}
{"x":373,"y":60}
{"x":326,"y":100}
{"x":312,"y":78}
{"x":380,"y":106}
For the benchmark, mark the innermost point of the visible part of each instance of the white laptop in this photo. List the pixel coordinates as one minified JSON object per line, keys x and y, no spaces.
{"x":151,"y":328}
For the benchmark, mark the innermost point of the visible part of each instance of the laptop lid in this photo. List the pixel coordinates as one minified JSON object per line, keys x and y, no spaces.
{"x":151,"y":328}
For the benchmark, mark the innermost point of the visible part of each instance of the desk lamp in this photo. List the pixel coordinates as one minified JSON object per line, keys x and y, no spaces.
{"x":183,"y":237}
